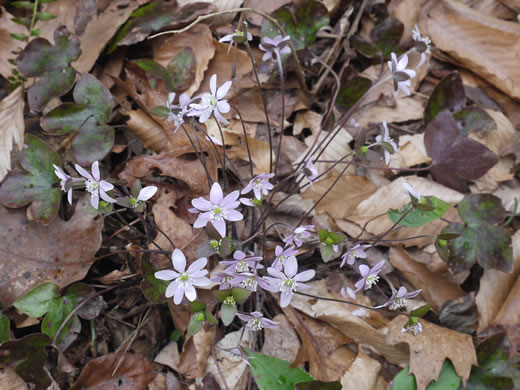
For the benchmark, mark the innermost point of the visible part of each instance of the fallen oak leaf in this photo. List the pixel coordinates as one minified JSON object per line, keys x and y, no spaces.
{"x":431,"y":347}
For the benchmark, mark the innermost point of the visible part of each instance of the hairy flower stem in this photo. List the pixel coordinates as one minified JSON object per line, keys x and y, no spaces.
{"x":199,"y":155}
{"x":224,"y":173}
{"x":245,"y":140}
{"x":269,"y":131}
{"x":282,"y":120}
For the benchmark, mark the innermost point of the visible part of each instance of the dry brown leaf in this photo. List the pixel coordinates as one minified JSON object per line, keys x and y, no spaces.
{"x":234,"y":369}
{"x":495,"y":286}
{"x":190,"y":172}
{"x":282,"y":342}
{"x":200,"y":40}
{"x":394,"y":196}
{"x":412,"y":152}
{"x":134,"y":372}
{"x":486,"y":45}
{"x":513,"y":4}
{"x":10,"y":380}
{"x":495,"y":8}
{"x":169,"y":355}
{"x":436,"y":289}
{"x":8,"y":45}
{"x":363,"y":373}
{"x":266,"y":6}
{"x":220,"y":5}
{"x":147,"y":130}
{"x":307,"y":120}
{"x":347,"y":193}
{"x":407,"y":11}
{"x":407,"y":108}
{"x":61,"y":252}
{"x":251,"y":108}
{"x":508,"y":192}
{"x":195,"y":352}
{"x":340,"y":316}
{"x":431,"y":347}
{"x":12,"y":129}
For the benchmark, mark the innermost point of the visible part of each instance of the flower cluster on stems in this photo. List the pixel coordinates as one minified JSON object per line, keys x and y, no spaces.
{"x":297,"y":236}
{"x":212,"y":103}
{"x":275,"y":47}
{"x":400,"y":75}
{"x":98,"y":188}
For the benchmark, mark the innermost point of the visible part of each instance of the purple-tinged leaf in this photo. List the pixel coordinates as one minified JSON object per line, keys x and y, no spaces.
{"x":92,"y":143}
{"x":447,"y":95}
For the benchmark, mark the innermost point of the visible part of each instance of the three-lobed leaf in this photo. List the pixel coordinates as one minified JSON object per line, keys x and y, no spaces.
{"x":417,"y":217}
{"x":447,"y":95}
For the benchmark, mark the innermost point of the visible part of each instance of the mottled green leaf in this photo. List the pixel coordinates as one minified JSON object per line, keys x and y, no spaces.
{"x":182,"y":69}
{"x":38,"y":301}
{"x":365,"y":48}
{"x":152,"y":288}
{"x":66,"y":118}
{"x":447,"y":95}
{"x":155,"y":16}
{"x":271,"y":373}
{"x":160,"y":111}
{"x":350,"y":93}
{"x":27,"y":356}
{"x":91,"y":92}
{"x":474,"y":119}
{"x":60,"y":308}
{"x":154,"y":69}
{"x":448,"y":380}
{"x":196,"y":322}
{"x":326,"y":252}
{"x":52,"y":64}
{"x":301,"y":21}
{"x":36,"y":184}
{"x":240,"y":294}
{"x":476,"y":209}
{"x":92,"y":142}
{"x":416,"y":217}
{"x":386,"y":36}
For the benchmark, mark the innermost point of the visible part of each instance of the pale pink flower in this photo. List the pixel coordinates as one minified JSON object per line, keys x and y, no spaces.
{"x":256,"y":321}
{"x":212,"y":103}
{"x":217,"y":209}
{"x":237,"y":36}
{"x":184,"y":280}
{"x":310,"y":170}
{"x":259,"y":185}
{"x":289,"y":280}
{"x":97,"y":187}
{"x":400,"y":74}
{"x":178,"y":111}
{"x":224,"y":279}
{"x":398,"y":299}
{"x":145,"y":194}
{"x":414,"y":328}
{"x":278,"y":46}
{"x":66,"y":181}
{"x":357,"y":251}
{"x":282,"y":255}
{"x":298,"y":235}
{"x":386,"y":139}
{"x":422,"y":46}
{"x":369,"y":276}
{"x":250,"y":281}
{"x":241,"y":263}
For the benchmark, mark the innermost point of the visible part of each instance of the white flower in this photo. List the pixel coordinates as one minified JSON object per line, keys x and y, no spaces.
{"x":384,"y":140}
{"x":423,"y":45}
{"x":259,"y":185}
{"x":96,"y":186}
{"x":237,"y":36}
{"x":310,"y":170}
{"x":256,"y":321}
{"x":184,"y":279}
{"x":289,"y":281}
{"x":145,"y":194}
{"x":66,"y":181}
{"x":178,"y":111}
{"x":412,"y":192}
{"x":400,"y":74}
{"x":212,"y":103}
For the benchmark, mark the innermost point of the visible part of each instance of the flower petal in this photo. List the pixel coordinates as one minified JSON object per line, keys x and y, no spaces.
{"x":201,"y":282}
{"x":213,"y":84}
{"x":233,"y":216}
{"x":95,"y":170}
{"x":220,"y":225}
{"x":171,"y":289}
{"x":190,"y":292}
{"x":201,"y":204}
{"x":94,"y":201}
{"x":202,"y":220}
{"x":166,"y":274}
{"x":178,"y":260}
{"x":216,"y":194}
{"x":364,"y":269}
{"x":83,"y":172}
{"x":179,"y":293}
{"x":291,"y":266}
{"x":197,"y":265}
{"x":305,"y":276}
{"x":285,"y":297}
{"x":146,"y":193}
{"x":224,"y":89}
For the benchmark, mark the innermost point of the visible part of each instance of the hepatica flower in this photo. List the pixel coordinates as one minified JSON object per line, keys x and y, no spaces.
{"x":400,"y":74}
{"x":422,"y":45}
{"x":289,"y":280}
{"x":411,"y":191}
{"x":178,"y":111}
{"x":282,"y":255}
{"x":184,"y":280}
{"x":217,"y":210}
{"x":241,"y":263}
{"x":357,"y":251}
{"x":310,"y":170}
{"x":259,"y":185}
{"x":297,"y":236}
{"x":97,"y":187}
{"x":398,"y":299}
{"x":212,"y":103}
{"x":250,"y":281}
{"x":387,"y":143}
{"x":256,"y":321}
{"x":145,"y":194}
{"x":238,"y":37}
{"x":66,"y":181}
{"x":278,"y":46}
{"x":369,"y":276}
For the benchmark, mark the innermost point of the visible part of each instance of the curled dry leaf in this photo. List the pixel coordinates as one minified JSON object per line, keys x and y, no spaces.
{"x":61,"y":252}
{"x":363,"y":373}
{"x":436,"y":289}
{"x":133,"y":372}
{"x":235,"y":370}
{"x":281,"y":342}
{"x":431,"y":347}
{"x":394,"y":196}
{"x":200,"y":40}
{"x":195,"y":352}
{"x":340,"y":316}
{"x":150,"y":132}
{"x":12,"y":130}
{"x":476,"y":33}
{"x":411,"y":152}
{"x":497,"y":295}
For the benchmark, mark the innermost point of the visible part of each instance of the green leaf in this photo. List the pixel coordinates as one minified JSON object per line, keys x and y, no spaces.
{"x":240,"y":294}
{"x":23,"y":4}
{"x":271,"y":373}
{"x":77,"y":293}
{"x":197,"y":306}
{"x":5,"y":325}
{"x":39,"y":300}
{"x":27,"y":356}
{"x":92,"y":143}
{"x":160,"y":111}
{"x":350,"y":93}
{"x":156,"y":70}
{"x":447,"y":95}
{"x":496,"y":370}
{"x":45,"y":16}
{"x":365,"y":48}
{"x":52,"y":64}
{"x":221,"y":295}
{"x":479,"y":240}
{"x":182,"y":69}
{"x":20,"y":37}
{"x":153,"y":17}
{"x":416,"y":217}
{"x":326,"y":252}
{"x":301,"y":21}
{"x":337,"y":238}
{"x":152,"y":288}
{"x":323,"y":233}
{"x":58,"y":312}
{"x":196,"y":323}
{"x":91,"y":92}
{"x":421,"y":311}
{"x":448,"y":379}
{"x":228,"y":313}
{"x":386,"y":36}
{"x":66,"y":118}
